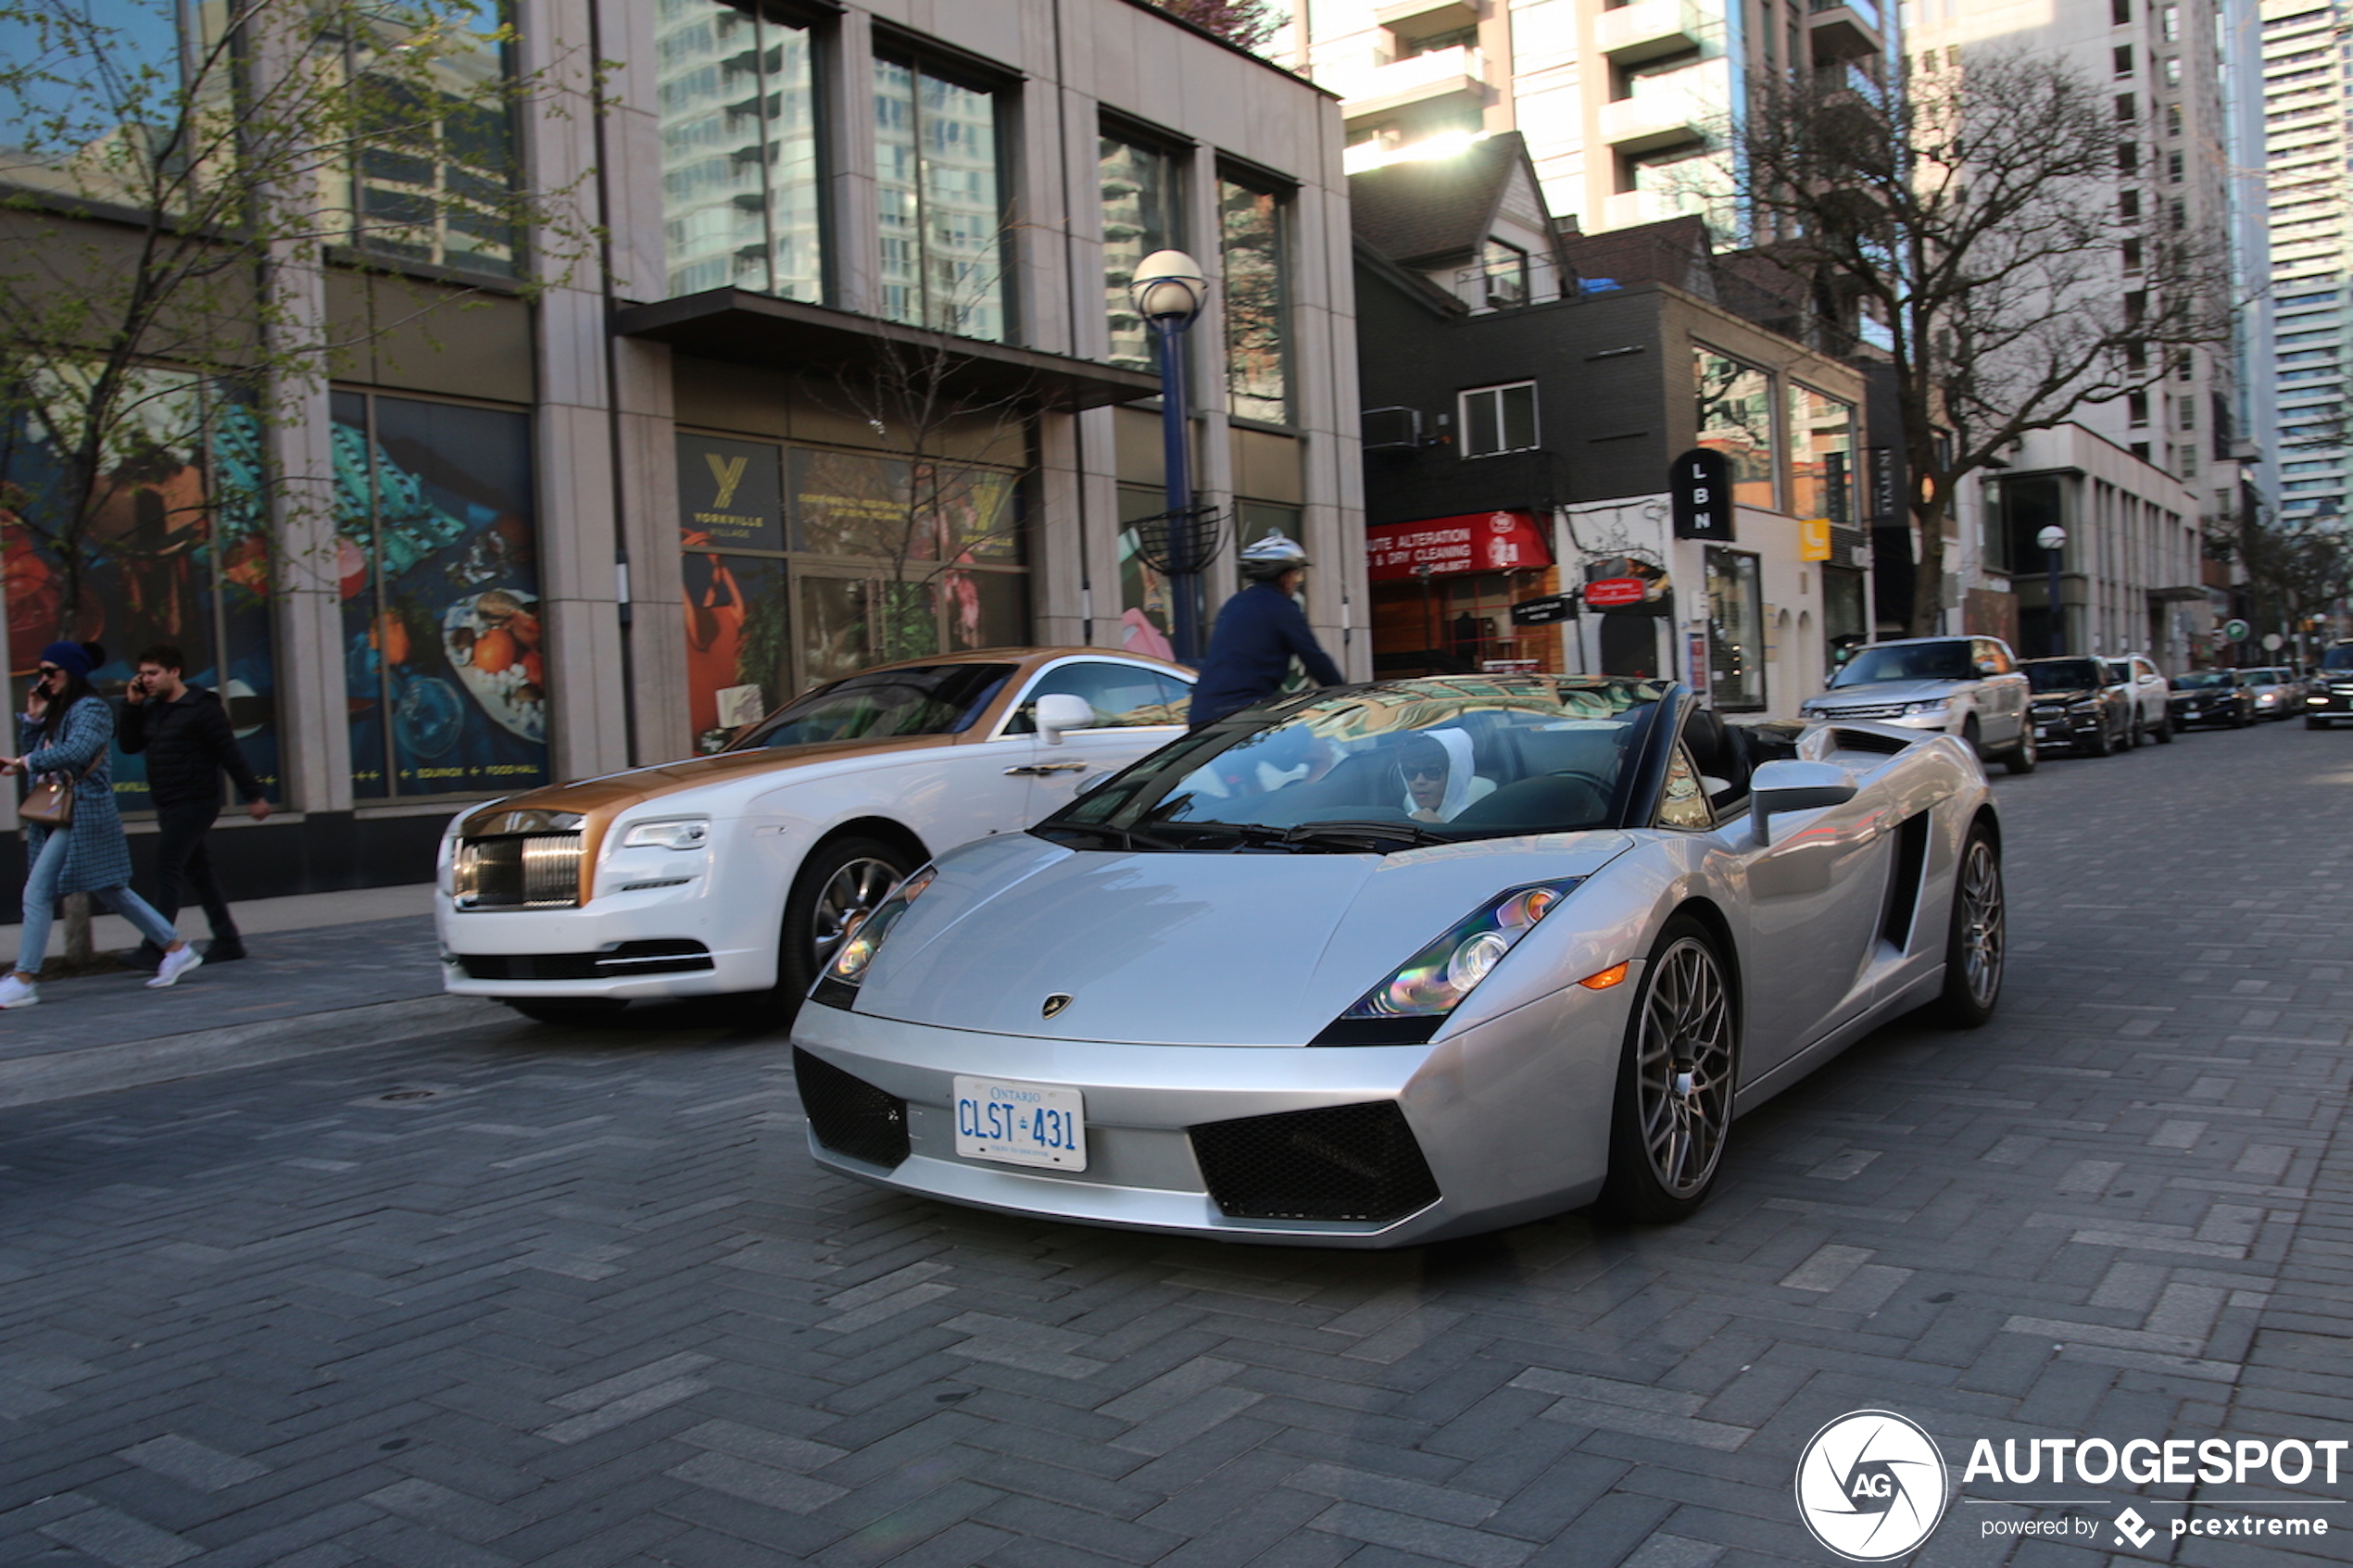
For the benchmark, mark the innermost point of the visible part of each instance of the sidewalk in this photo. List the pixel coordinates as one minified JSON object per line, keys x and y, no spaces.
{"x":328,"y":972}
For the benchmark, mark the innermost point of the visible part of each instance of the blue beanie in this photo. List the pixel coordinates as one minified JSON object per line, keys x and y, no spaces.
{"x":72,"y":658}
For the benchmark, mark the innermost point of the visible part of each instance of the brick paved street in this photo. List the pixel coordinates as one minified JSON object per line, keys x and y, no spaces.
{"x":513,"y":1295}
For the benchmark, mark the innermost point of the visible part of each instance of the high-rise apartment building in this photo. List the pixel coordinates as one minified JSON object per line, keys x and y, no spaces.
{"x":2304,"y":150}
{"x":2132,"y":564}
{"x":1622,"y":107}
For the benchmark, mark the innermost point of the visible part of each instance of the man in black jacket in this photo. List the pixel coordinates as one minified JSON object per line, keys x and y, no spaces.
{"x":183,"y":731}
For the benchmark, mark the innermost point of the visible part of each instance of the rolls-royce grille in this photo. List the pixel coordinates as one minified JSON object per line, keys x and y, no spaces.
{"x":1343,"y":1162}
{"x":538,"y":871}
{"x":849,"y":1115}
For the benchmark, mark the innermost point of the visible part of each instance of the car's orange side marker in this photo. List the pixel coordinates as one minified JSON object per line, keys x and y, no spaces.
{"x":1615,"y":974}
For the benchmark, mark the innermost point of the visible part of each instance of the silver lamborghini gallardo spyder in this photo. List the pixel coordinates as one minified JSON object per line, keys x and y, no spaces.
{"x":1394,"y":963}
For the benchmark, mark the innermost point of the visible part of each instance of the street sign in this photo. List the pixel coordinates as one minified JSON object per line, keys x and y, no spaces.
{"x":1610,"y":592}
{"x":2235,"y":630}
{"x":1814,"y":539}
{"x":1548,"y":610}
{"x":2273,"y":642}
{"x":1700,"y":485}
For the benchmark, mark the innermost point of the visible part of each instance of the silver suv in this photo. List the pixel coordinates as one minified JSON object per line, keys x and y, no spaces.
{"x":1966,"y":686}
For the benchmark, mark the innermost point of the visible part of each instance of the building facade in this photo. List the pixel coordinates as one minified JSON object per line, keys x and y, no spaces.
{"x":1624,"y":108}
{"x":2303,"y":87}
{"x":847,"y":373}
{"x":2161,"y":62}
{"x":1518,"y":446}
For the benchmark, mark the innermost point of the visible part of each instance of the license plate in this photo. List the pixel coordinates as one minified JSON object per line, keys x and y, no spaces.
{"x":1018,"y":1123}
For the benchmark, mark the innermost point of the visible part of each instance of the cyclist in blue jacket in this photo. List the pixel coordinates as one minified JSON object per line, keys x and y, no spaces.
{"x":1259,"y":631}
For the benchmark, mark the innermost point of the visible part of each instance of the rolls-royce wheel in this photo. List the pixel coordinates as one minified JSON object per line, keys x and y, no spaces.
{"x":1979,"y":935}
{"x":1674,"y":1109}
{"x":838,"y":886}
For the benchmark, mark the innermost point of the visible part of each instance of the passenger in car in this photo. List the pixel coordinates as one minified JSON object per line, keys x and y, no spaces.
{"x":1439,"y":780}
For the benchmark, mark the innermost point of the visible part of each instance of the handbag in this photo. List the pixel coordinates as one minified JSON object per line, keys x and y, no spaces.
{"x":50,"y":804}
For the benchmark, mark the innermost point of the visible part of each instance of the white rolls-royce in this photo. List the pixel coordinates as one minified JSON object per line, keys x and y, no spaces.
{"x":738,"y":873}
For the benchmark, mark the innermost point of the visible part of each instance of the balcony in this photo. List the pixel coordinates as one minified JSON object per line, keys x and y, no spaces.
{"x":1431,"y":15}
{"x":1646,"y":30}
{"x":1843,"y":29}
{"x":1652,"y":121}
{"x":1424,"y":78}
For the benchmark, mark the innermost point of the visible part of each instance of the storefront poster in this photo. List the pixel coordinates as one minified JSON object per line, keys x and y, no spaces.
{"x":175,"y":555}
{"x":439,"y":576}
{"x":738,"y":641}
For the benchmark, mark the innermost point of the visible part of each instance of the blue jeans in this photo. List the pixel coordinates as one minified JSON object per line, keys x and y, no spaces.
{"x":41,"y":896}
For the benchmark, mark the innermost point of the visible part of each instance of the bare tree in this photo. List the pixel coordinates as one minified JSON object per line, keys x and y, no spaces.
{"x":2297,"y":568}
{"x":952,"y":428}
{"x":168,"y":172}
{"x":1970,"y":217}
{"x":1250,"y":24}
{"x":173,"y":180}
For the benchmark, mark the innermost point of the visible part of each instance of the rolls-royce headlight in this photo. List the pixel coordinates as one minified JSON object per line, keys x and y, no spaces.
{"x":687,"y":835}
{"x":1407,"y":1007}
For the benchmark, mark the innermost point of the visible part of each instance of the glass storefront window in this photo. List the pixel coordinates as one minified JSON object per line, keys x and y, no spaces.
{"x":737,"y":92}
{"x":804,"y":564}
{"x":1253,"y":243}
{"x":942,"y":218}
{"x":1140,"y":216}
{"x":433,"y":189}
{"x":438,"y":569}
{"x":1821,"y":440}
{"x":175,"y":551}
{"x":1736,"y":419}
{"x":1145,"y":614}
{"x":1735,"y":632}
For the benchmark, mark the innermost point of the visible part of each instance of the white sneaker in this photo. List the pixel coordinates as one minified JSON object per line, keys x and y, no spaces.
{"x":17,"y":992}
{"x":174,"y":965}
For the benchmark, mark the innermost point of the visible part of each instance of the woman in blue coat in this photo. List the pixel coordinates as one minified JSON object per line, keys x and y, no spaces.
{"x":68,"y":730}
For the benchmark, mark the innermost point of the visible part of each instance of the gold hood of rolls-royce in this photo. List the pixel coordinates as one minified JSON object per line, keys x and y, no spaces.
{"x":597,"y":803}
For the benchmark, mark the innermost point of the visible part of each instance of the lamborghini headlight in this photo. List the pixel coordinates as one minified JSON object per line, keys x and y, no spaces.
{"x":856,"y":954}
{"x":1433,"y":982}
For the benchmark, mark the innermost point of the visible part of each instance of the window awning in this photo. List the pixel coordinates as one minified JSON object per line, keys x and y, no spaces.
{"x":832,"y":345}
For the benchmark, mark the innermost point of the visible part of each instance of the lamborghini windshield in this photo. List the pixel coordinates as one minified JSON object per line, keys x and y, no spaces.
{"x":1382,"y":768}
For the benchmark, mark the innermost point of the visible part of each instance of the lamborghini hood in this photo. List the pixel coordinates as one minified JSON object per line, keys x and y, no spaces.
{"x":1176,"y":948}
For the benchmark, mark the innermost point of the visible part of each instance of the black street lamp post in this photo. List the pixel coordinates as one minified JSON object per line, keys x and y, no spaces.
{"x":1169,"y":292}
{"x":2053,"y":540}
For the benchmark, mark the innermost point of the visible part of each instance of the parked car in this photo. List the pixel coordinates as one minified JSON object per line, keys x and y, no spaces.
{"x":2277,"y":692}
{"x":740,"y":873}
{"x":2079,"y":705}
{"x":1969,"y":687}
{"x":2211,"y":697}
{"x":2329,"y":695}
{"x":2148,"y":694}
{"x":1558,"y":988}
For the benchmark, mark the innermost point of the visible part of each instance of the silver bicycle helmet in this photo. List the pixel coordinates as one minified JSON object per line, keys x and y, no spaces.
{"x":1268,"y":558}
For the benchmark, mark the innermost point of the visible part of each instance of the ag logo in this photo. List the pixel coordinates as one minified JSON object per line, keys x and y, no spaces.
{"x":1055,"y":1004}
{"x":1871,"y":1486}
